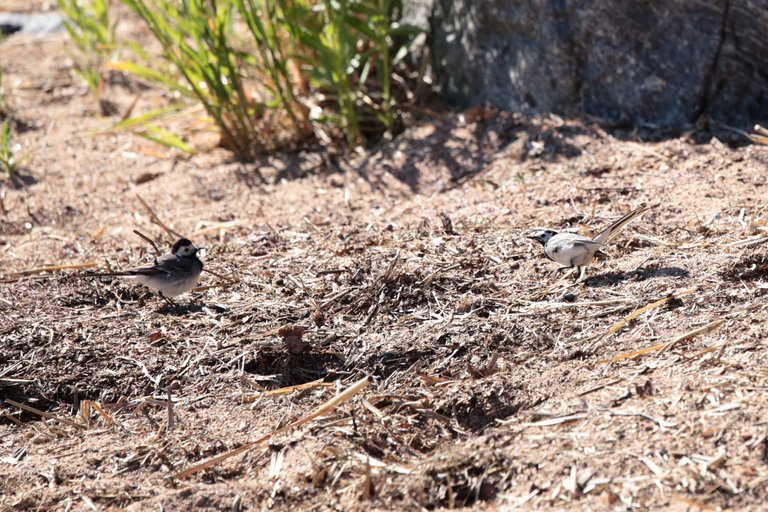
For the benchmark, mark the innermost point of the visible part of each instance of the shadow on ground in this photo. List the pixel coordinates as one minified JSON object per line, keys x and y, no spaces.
{"x":640,"y":274}
{"x":455,"y":148}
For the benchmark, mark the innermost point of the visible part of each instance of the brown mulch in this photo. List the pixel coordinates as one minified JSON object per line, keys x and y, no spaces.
{"x":493,"y":380}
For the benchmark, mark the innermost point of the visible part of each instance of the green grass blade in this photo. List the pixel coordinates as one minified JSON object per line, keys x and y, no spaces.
{"x":149,"y":75}
{"x":156,"y":134}
{"x":144,"y":118}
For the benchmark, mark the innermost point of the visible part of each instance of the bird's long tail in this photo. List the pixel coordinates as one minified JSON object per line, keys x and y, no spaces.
{"x":106,"y":274}
{"x":614,"y":228}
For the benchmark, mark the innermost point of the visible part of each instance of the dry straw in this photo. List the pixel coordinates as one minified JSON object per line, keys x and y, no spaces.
{"x":325,"y":409}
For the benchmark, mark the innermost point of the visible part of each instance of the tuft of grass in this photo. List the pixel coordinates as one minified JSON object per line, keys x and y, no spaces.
{"x":197,"y":40}
{"x":93,"y":33}
{"x":349,"y":49}
{"x":248,"y":63}
{"x":8,"y":160}
{"x":276,"y":58}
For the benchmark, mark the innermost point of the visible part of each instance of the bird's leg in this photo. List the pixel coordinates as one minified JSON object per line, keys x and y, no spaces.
{"x":169,"y":301}
{"x":582,"y":270}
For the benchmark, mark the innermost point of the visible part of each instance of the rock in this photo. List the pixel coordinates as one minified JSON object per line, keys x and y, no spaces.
{"x":36,"y":24}
{"x":659,"y":62}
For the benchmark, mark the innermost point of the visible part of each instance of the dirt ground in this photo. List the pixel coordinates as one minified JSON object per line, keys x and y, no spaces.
{"x":493,"y":381}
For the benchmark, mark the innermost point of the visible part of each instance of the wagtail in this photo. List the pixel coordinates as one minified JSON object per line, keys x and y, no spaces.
{"x":577,"y":251}
{"x":172,"y":274}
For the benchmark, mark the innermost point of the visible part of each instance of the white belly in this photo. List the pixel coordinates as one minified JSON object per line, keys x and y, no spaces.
{"x":571,"y":250}
{"x":168,"y":287}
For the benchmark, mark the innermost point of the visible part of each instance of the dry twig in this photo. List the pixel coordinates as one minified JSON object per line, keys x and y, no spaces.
{"x":621,"y":323}
{"x":667,"y":345}
{"x":156,"y":220}
{"x":328,"y":407}
{"x":44,"y":414}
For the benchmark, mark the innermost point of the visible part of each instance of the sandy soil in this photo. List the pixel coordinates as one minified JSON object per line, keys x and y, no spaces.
{"x":493,"y":381}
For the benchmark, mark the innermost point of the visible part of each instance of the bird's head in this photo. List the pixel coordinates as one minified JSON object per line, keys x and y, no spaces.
{"x":542,"y":235}
{"x":183,"y":248}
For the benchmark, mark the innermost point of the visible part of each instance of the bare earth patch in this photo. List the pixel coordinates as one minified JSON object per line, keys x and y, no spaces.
{"x":494,"y":382}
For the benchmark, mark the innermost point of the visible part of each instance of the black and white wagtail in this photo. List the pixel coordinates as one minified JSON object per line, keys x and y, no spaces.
{"x":172,"y":274}
{"x":578,"y":251}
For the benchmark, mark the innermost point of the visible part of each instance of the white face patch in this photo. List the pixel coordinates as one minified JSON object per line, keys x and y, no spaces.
{"x":185,"y":250}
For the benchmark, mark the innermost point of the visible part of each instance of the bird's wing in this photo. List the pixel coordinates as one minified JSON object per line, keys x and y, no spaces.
{"x":165,"y":258}
{"x":572,"y":238}
{"x":611,"y":230}
{"x":166,"y":264}
{"x":570,"y":249}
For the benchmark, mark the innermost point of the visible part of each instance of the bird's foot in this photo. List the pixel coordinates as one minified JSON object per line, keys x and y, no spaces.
{"x":169,"y":301}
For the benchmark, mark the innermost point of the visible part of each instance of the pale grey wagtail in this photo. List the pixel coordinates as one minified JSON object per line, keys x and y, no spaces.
{"x":578,"y":251}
